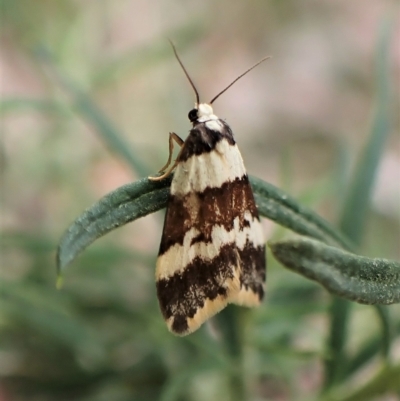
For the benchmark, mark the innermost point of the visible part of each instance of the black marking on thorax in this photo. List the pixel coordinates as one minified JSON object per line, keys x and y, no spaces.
{"x":202,"y":139}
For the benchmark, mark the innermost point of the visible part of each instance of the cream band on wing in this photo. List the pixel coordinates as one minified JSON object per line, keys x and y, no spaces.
{"x":208,"y":170}
{"x":245,"y":297}
{"x":178,"y":257}
{"x":209,"y":309}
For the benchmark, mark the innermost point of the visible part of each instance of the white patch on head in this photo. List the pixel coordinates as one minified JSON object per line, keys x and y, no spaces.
{"x":205,"y":112}
{"x":175,"y":260}
{"x":211,"y":169}
{"x":206,"y":115}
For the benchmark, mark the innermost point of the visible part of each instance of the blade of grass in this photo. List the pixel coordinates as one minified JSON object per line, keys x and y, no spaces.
{"x":140,"y":198}
{"x":14,"y":105}
{"x":385,"y":382}
{"x":91,"y":113}
{"x":277,"y":205}
{"x":139,"y":59}
{"x":356,"y":204}
{"x":120,"y":207}
{"x":230,"y":324}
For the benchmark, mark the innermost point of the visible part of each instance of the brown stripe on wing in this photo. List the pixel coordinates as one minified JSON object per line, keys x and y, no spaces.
{"x":214,"y":206}
{"x":183,"y":295}
{"x":203,"y":140}
{"x":253,"y":269}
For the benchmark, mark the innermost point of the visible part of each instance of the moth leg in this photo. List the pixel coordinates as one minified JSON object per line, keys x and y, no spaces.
{"x":172,"y":137}
{"x":179,"y":141}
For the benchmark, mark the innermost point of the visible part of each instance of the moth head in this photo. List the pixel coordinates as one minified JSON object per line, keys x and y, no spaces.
{"x":201,"y":112}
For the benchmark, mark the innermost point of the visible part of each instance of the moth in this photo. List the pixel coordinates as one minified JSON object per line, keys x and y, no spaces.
{"x":212,"y":249}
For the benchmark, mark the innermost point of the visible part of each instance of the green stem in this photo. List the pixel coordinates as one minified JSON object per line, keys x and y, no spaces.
{"x":356,"y":205}
{"x":231,"y":328}
{"x":339,"y":313}
{"x":385,"y":382}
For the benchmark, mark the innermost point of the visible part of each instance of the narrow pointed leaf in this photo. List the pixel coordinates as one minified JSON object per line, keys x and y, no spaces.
{"x":357,"y":202}
{"x":140,"y":198}
{"x":357,"y":199}
{"x":119,"y":207}
{"x":356,"y":278}
{"x":277,"y":205}
{"x":385,"y":382}
{"x":91,"y":113}
{"x":20,"y":104}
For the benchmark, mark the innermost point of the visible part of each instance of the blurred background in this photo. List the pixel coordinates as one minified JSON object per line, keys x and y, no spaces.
{"x":82,"y":82}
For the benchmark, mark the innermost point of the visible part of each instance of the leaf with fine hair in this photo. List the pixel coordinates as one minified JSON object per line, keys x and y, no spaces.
{"x":119,"y":207}
{"x":357,"y":199}
{"x":372,"y":281}
{"x":143,"y":197}
{"x":356,"y":278}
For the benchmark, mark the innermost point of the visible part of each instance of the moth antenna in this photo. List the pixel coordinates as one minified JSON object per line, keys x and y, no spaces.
{"x":237,"y":79}
{"x":186,"y":73}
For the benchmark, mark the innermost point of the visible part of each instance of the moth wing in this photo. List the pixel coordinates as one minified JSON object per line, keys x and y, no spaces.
{"x":211,"y":242}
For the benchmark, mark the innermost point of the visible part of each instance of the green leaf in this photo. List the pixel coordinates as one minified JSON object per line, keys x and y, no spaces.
{"x":119,"y":207}
{"x":140,"y":198}
{"x":385,"y":382}
{"x":176,"y":386}
{"x":14,"y":105}
{"x":46,"y":312}
{"x":107,"y":131}
{"x":356,"y":278}
{"x":357,"y":199}
{"x":92,"y":114}
{"x":278,"y":206}
{"x":139,"y":59}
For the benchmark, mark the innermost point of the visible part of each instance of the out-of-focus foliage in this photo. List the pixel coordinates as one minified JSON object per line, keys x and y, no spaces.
{"x":80,"y":75}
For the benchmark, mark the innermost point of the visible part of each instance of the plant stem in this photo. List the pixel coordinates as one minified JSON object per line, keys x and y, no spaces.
{"x":231,"y":328}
